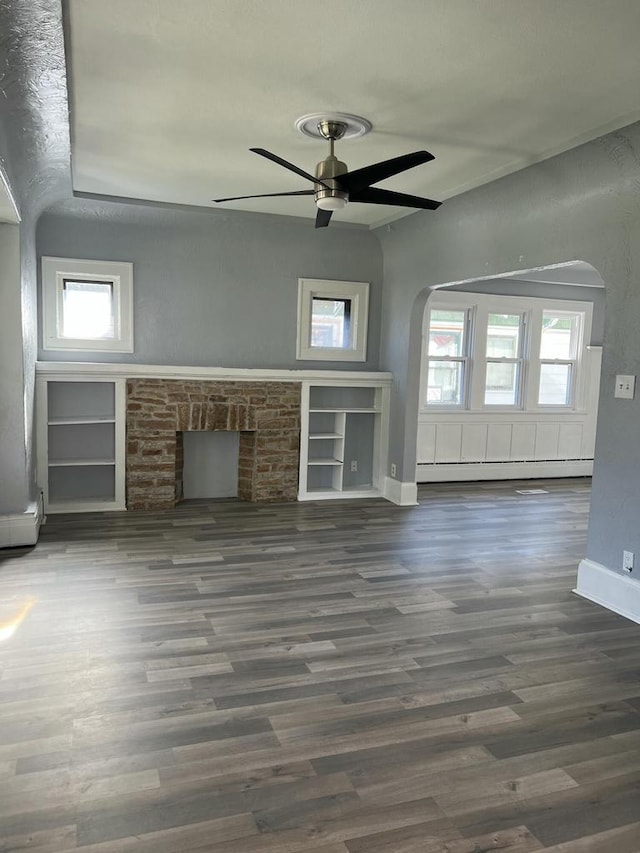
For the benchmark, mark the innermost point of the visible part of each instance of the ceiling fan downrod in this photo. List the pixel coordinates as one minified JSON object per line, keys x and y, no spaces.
{"x":329,"y":195}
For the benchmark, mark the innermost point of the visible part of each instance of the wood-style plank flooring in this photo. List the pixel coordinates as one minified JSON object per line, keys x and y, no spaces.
{"x":337,"y":677}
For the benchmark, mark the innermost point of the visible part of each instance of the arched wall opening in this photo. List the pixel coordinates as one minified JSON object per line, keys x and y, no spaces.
{"x":575,"y":280}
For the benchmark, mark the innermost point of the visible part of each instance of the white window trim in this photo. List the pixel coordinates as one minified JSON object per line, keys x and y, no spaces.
{"x":477,"y":394}
{"x":532,"y":308}
{"x":54,"y":273}
{"x":577,"y":388}
{"x":466,"y":359}
{"x":357,"y":292}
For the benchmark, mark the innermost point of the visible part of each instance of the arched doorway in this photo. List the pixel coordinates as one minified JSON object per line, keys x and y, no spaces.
{"x":509,"y":376}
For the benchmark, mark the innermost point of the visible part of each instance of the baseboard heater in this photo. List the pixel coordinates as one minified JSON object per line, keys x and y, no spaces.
{"x":429,"y":472}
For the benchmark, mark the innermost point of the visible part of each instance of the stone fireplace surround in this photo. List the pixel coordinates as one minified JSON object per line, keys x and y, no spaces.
{"x":159,"y":411}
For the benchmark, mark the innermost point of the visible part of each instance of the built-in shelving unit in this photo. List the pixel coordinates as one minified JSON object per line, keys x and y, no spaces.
{"x":81,"y":444}
{"x":342,"y":443}
{"x":81,"y":415}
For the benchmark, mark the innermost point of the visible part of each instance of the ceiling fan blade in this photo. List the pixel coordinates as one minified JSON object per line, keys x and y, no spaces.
{"x":372,"y":195}
{"x":264,"y":195}
{"x":323,"y":217}
{"x":361,"y":178}
{"x":290,"y":166}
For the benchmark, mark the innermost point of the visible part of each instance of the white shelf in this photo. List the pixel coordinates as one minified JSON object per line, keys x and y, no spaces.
{"x":72,"y":463}
{"x":333,"y":494}
{"x":81,"y":419}
{"x":84,"y":505}
{"x":352,"y":418}
{"x":81,"y":441}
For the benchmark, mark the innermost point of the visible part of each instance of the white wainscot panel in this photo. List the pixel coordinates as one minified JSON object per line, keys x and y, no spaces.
{"x":547,"y":436}
{"x":448,"y":442}
{"x":523,"y":442}
{"x":474,"y":443}
{"x":499,"y":442}
{"x":588,"y":447}
{"x":426,"y":449}
{"x":570,"y":441}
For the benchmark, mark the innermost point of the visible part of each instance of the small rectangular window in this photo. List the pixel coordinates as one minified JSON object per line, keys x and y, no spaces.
{"x":88,"y":310}
{"x":447,"y":357}
{"x":87,"y":305}
{"x":330,"y":323}
{"x":332,"y":320}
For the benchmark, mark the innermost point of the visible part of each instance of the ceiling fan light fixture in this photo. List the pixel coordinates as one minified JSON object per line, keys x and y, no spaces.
{"x":331,"y":202}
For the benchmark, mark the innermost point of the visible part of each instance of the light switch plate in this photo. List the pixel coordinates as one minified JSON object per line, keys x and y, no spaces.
{"x":625,"y":386}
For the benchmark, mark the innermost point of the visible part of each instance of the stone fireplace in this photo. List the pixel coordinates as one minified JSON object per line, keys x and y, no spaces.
{"x":159,"y":411}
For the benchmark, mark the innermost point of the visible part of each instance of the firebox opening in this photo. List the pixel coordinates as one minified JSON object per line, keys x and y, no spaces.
{"x":210,"y":464}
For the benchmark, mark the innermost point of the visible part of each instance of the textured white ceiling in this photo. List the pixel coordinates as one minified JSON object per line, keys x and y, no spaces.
{"x":167,"y":97}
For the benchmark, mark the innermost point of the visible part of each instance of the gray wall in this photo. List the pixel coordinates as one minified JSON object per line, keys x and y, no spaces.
{"x":582,"y":205}
{"x":214,"y":288}
{"x":34,"y":152}
{"x":13,"y":487}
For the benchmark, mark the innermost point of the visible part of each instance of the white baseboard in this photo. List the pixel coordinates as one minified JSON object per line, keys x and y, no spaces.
{"x":402,"y":494}
{"x":459,"y":471}
{"x":20,"y":529}
{"x":616,"y":592}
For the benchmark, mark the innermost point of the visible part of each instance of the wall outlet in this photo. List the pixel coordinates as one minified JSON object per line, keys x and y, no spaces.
{"x":627,"y":561}
{"x":625,"y":386}
{"x":394,"y":469}
{"x":354,"y":466}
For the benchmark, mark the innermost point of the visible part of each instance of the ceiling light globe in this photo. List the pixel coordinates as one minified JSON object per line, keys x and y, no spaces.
{"x":331,"y":203}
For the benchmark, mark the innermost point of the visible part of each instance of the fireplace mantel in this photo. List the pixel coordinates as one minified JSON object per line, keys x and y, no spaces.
{"x":102,"y":370}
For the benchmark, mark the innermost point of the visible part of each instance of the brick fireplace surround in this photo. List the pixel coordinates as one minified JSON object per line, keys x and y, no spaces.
{"x":266,"y":414}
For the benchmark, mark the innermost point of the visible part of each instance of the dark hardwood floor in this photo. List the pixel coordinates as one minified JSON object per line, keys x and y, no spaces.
{"x":338,"y":677}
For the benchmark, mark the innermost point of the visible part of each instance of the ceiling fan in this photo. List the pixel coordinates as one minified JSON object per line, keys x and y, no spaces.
{"x":335,"y":186}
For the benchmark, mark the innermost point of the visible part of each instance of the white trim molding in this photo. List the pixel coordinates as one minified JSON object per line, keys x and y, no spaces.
{"x":88,"y":370}
{"x":20,"y":529}
{"x":461,"y":472}
{"x":616,"y":592}
{"x":356,"y":293}
{"x":56,"y":272}
{"x":402,"y":494}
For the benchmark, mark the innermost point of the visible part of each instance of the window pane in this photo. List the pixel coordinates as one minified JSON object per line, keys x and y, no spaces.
{"x":559,"y":335}
{"x":502,"y":384}
{"x":87,"y":310}
{"x":555,"y":385}
{"x":330,"y":323}
{"x":444,"y":383}
{"x":446,"y":332}
{"x":503,"y":335}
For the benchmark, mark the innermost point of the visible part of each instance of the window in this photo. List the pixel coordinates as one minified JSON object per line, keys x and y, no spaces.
{"x":503,"y":359}
{"x":87,"y":305}
{"x":332,"y":320}
{"x":559,"y":344}
{"x":501,"y":352}
{"x":447,"y":356}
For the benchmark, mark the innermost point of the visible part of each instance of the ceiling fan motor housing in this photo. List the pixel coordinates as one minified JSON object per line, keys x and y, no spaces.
{"x":330,"y":196}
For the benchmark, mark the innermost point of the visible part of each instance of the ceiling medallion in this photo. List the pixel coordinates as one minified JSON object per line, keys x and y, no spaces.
{"x":355,"y":126}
